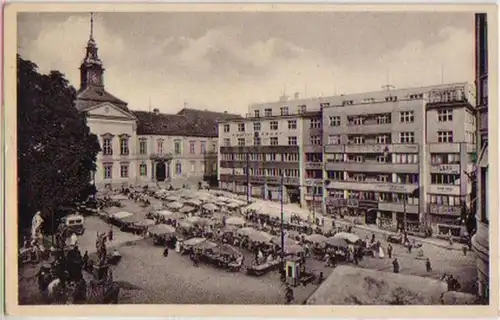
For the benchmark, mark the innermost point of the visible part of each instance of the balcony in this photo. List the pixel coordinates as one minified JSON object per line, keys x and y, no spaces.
{"x":446,"y":168}
{"x":445,"y":210}
{"x":161,"y":156}
{"x":368,"y":128}
{"x":310,"y":182}
{"x":444,"y":147}
{"x":259,"y":179}
{"x":375,"y":187}
{"x":372,"y":148}
{"x":398,"y":207}
{"x":372,"y":167}
{"x":312,"y":148}
{"x":260,"y":149}
{"x":313,"y":165}
{"x":259,"y":164}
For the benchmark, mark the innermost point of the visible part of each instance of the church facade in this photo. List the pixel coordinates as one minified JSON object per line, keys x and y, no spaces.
{"x":139,"y":148}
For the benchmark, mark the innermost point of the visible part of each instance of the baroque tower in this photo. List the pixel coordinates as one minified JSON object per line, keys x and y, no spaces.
{"x":91,"y":69}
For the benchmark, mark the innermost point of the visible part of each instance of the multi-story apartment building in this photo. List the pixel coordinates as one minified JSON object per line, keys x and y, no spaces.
{"x":400,"y":157}
{"x":268,"y":145}
{"x":480,"y":240}
{"x":141,"y":147}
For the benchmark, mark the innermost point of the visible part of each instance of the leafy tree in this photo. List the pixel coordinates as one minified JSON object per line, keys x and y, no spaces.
{"x":56,"y":151}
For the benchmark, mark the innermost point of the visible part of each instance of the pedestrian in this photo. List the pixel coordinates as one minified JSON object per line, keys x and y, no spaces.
{"x":395,"y":265}
{"x":289,"y":296}
{"x":428,"y":265}
{"x":110,"y":233}
{"x":409,"y":247}
{"x":321,"y":278}
{"x":165,"y":252}
{"x":389,"y":251}
{"x":464,"y":250}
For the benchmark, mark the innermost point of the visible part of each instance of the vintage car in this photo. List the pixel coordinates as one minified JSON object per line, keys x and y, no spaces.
{"x":74,"y":224}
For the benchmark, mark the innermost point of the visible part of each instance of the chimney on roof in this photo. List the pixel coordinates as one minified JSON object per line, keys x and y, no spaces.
{"x":296,"y":96}
{"x":156,"y":111}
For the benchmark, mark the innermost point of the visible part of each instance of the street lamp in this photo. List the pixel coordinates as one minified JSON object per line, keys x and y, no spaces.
{"x":282,"y":185}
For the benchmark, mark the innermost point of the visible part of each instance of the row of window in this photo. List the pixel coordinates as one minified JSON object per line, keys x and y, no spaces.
{"x":443,"y":200}
{"x":272,"y":172}
{"x":445,"y":115}
{"x":440,"y":178}
{"x":107,"y":146}
{"x":292,"y":141}
{"x":284,"y":111}
{"x":282,"y":157}
{"x":143,"y":169}
{"x":400,"y":178}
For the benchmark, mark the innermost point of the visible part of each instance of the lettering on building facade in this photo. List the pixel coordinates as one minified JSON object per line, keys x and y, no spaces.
{"x":445,"y":210}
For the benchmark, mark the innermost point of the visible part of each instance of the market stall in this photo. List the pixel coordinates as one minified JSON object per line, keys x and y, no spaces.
{"x":162,"y":233}
{"x":235,"y":221}
{"x":316,"y":239}
{"x":349,"y":237}
{"x":187,"y":209}
{"x":210,"y":206}
{"x":119,"y":218}
{"x":190,"y":244}
{"x":176,"y":205}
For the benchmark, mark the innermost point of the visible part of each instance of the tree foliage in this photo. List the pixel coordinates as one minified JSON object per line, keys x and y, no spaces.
{"x":56,"y":151}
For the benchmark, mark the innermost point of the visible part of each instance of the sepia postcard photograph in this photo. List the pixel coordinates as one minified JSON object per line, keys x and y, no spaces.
{"x":251,"y":160}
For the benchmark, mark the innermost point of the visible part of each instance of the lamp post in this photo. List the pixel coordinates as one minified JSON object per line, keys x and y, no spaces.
{"x":282,"y":222}
{"x":248,"y":178}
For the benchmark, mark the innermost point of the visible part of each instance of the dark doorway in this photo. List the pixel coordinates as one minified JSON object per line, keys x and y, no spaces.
{"x":161,"y":171}
{"x":371,"y":216}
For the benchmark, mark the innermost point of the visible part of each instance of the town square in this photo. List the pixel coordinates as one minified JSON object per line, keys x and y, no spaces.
{"x":155,"y":166}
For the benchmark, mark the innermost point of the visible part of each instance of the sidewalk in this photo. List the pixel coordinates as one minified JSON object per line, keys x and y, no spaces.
{"x":328,"y":220}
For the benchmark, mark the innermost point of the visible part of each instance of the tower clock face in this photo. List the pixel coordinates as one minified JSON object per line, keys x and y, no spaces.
{"x":94,"y":78}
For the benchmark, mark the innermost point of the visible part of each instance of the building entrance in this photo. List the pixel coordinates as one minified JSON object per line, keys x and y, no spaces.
{"x":161,"y":171}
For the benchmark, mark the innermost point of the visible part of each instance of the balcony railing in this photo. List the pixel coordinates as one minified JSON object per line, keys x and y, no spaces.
{"x":372,"y":167}
{"x":313,"y":165}
{"x":372,"y":148}
{"x":376,"y":187}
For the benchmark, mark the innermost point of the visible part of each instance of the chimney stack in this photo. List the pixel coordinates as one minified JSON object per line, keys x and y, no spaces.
{"x":156,"y":111}
{"x":296,"y":96}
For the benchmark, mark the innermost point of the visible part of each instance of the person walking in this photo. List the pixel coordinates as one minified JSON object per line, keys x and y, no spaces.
{"x":389,"y":251}
{"x":395,"y":265}
{"x":428,"y":265}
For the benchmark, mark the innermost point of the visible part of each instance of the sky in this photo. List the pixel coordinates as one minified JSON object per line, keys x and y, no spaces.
{"x":226,"y":61}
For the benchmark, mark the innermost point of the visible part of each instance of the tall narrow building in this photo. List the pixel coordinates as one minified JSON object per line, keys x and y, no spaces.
{"x":480,"y":240}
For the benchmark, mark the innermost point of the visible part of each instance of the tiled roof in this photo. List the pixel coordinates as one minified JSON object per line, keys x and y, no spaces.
{"x":205,"y":120}
{"x":92,"y":95}
{"x":188,"y":122}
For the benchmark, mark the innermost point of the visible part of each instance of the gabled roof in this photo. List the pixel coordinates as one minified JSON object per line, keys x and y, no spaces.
{"x":93,"y":95}
{"x":205,"y":120}
{"x":187,"y":122}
